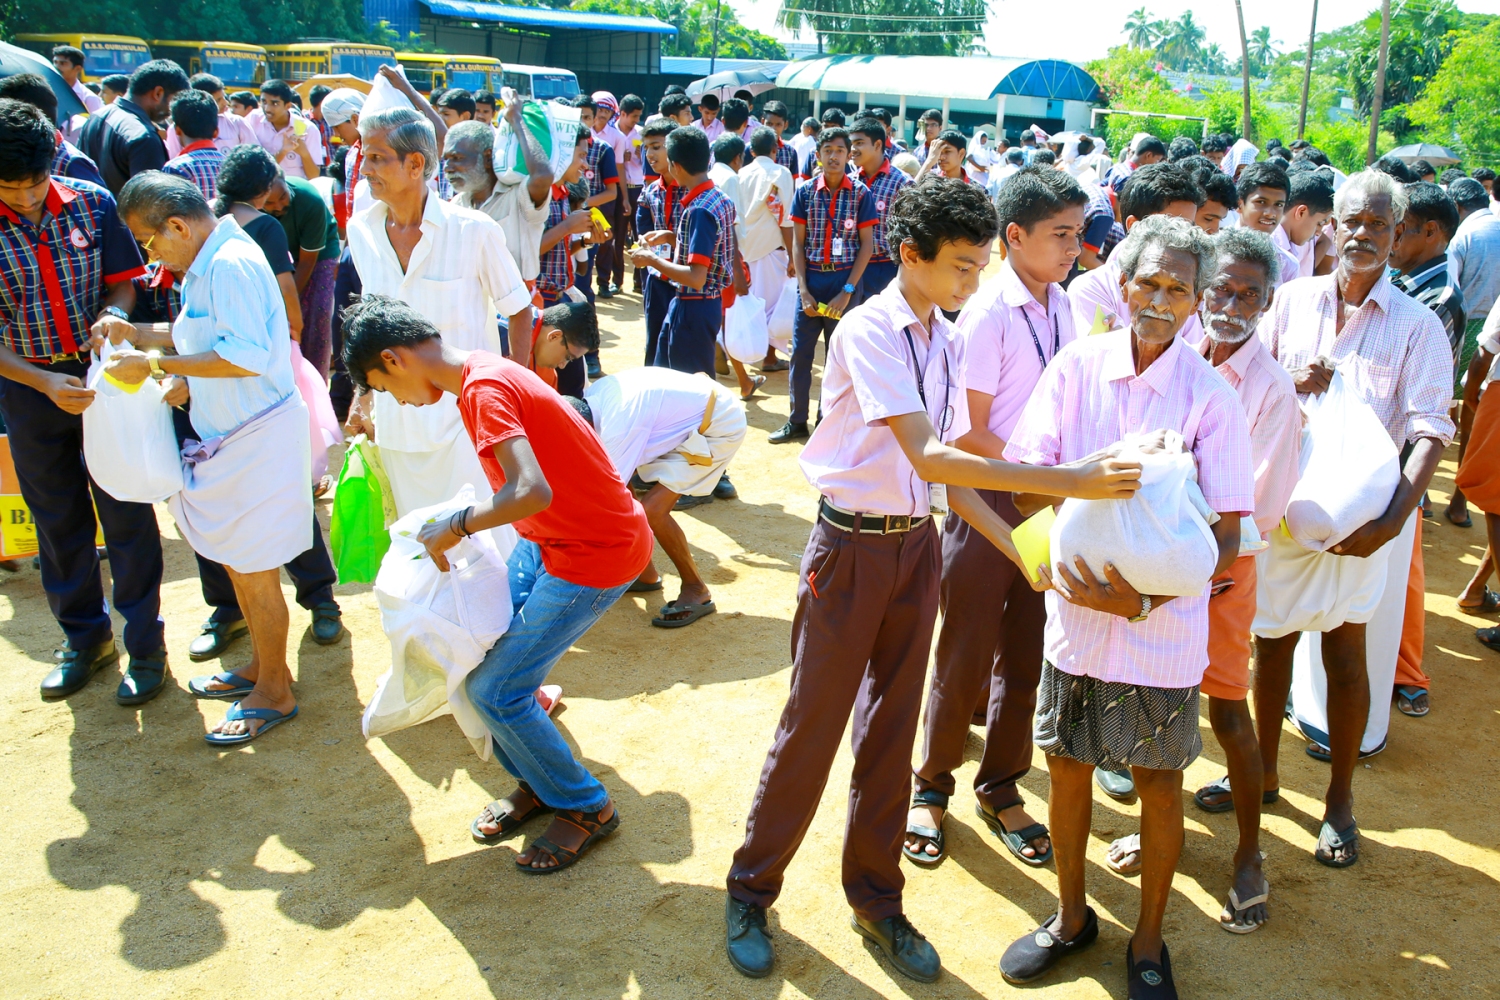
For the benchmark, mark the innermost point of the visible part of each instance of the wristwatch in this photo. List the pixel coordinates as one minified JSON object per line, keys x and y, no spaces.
{"x":848,"y":289}
{"x":154,"y":359}
{"x":1145,"y":610}
{"x":116,"y":312}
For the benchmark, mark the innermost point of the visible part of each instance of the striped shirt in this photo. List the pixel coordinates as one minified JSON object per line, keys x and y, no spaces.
{"x":556,"y":274}
{"x":53,"y":275}
{"x":884,"y":187}
{"x":705,"y":235}
{"x":199,"y":163}
{"x":1431,"y":287}
{"x":833,"y":216}
{"x":1090,"y":397}
{"x":1392,"y":351}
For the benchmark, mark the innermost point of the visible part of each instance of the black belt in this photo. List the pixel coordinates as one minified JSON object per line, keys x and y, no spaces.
{"x":876,"y":524}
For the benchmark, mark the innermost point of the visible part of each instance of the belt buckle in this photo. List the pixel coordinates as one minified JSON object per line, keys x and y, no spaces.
{"x":897,"y":523}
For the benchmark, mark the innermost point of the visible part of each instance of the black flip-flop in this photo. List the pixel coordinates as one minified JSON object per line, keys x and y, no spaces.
{"x":643,"y":588}
{"x":1318,"y":751}
{"x":1467,"y":522}
{"x":509,"y":822}
{"x":1490,"y":602}
{"x":1014,"y":840}
{"x":921,"y":857}
{"x":694,"y":612}
{"x":1335,"y":839}
{"x":1488,"y":637}
{"x":1221,"y":787}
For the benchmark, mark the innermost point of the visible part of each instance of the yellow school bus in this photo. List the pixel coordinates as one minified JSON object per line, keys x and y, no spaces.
{"x":301,"y":60}
{"x":103,"y":55}
{"x":237,"y":64}
{"x":430,"y":72}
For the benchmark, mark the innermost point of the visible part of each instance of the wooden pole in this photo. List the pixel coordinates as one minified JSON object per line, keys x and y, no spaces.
{"x":1244,"y":73}
{"x":1312,"y":33}
{"x":1375,"y":100}
{"x":713,"y":57}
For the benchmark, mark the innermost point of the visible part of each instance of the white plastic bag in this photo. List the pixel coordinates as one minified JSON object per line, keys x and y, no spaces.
{"x":1350,"y":469}
{"x":128,"y":442}
{"x":784,"y":317}
{"x":439,"y":624}
{"x":745,"y":331}
{"x":1159,"y":539}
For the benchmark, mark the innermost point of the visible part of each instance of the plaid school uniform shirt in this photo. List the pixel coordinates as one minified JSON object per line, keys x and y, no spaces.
{"x":786,"y":155}
{"x":557,"y":264}
{"x":658,"y":206}
{"x":884,"y":187}
{"x":705,"y":235}
{"x":53,"y":275}
{"x":601,"y":169}
{"x":199,"y":163}
{"x":833,"y":219}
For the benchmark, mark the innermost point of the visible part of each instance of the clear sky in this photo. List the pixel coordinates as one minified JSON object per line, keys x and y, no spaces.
{"x":1080,"y":30}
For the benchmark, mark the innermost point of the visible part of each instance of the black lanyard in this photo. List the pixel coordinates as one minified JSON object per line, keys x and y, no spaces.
{"x":1056,"y":340}
{"x":943,"y":417}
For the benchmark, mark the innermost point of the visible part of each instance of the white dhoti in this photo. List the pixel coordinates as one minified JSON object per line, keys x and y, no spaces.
{"x":768,"y":277}
{"x":245,"y":499}
{"x":694,"y":467}
{"x":1382,"y":644}
{"x":427,"y":454}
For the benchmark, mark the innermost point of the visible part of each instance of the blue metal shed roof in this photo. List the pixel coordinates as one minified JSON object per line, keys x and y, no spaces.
{"x":968,"y":78}
{"x":546,"y":17}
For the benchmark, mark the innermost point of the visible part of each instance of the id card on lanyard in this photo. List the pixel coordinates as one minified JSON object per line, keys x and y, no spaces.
{"x":937,"y":493}
{"x":1036,"y":342}
{"x":834,"y":245}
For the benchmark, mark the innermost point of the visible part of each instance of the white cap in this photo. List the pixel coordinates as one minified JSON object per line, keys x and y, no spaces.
{"x":341,"y":105}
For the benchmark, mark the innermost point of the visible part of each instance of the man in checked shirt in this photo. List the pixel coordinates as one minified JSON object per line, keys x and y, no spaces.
{"x":867,"y":151}
{"x":67,"y":260}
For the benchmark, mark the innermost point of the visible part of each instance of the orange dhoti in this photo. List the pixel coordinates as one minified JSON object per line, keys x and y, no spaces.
{"x":1479,"y":472}
{"x":1414,"y":625}
{"x":1229,"y":618}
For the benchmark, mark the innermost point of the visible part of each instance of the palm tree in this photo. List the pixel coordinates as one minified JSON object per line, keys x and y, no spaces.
{"x":1262,"y":48}
{"x":1140,"y":30}
{"x":1183,"y":41}
{"x":1213,"y":59}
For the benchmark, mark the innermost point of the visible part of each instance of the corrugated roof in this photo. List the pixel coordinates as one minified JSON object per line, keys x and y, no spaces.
{"x":698,"y":65}
{"x":970,"y":78}
{"x":546,"y":17}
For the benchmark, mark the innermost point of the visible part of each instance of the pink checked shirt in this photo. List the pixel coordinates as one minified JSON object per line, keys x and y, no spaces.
{"x":1392,"y":351}
{"x":233,"y":131}
{"x":713,"y":129}
{"x":1270,"y":402}
{"x":274,"y":141}
{"x":1008,"y":338}
{"x":1095,"y":297}
{"x":1089,"y":398}
{"x":852,"y":458}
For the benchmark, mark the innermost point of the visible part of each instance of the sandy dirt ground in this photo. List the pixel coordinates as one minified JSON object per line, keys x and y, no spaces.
{"x":139,"y":862}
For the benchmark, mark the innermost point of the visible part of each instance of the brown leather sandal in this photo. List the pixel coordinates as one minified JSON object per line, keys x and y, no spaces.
{"x":568,"y":824}
{"x":523,"y":806}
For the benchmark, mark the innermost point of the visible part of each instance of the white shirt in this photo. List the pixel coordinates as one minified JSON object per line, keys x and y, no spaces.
{"x":643,"y":414}
{"x":459,"y":277}
{"x":981,"y":155}
{"x":92,"y":102}
{"x":760,"y":227}
{"x":805,"y":145}
{"x":520,"y":220}
{"x":727,"y":181}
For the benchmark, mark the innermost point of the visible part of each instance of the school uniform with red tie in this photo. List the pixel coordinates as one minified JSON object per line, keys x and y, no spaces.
{"x":552,"y":283}
{"x":884,"y":186}
{"x":704,"y":231}
{"x":657,"y":209}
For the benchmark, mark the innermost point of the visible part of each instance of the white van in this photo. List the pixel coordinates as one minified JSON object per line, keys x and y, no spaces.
{"x":541,"y":83}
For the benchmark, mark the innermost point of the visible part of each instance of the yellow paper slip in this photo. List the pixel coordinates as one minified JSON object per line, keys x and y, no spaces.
{"x":1033,"y":540}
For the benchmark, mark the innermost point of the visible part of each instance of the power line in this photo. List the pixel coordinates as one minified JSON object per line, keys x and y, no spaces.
{"x":885,"y":17}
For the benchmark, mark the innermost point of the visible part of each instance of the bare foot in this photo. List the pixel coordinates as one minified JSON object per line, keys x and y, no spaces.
{"x":928,"y":816}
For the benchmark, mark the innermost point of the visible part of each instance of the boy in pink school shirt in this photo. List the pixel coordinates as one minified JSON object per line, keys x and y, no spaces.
{"x":989,"y":653}
{"x":868,"y":591}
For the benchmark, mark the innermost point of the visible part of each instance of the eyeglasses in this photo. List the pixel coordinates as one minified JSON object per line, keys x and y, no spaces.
{"x":146,"y":246}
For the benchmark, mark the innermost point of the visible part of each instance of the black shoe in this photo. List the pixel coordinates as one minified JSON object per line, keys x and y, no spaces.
{"x":604,"y":293}
{"x":594,"y":369}
{"x":747,"y":940}
{"x":76,"y":667}
{"x":216,"y":637}
{"x":911,"y":953}
{"x":144,"y":679}
{"x":327,"y":624}
{"x":1148,"y":980}
{"x":688,"y":503}
{"x":1034,"y":955}
{"x":790,"y":432}
{"x":725,"y":490}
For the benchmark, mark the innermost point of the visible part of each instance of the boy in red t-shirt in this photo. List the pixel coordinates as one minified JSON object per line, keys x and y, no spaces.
{"x":584,"y":539}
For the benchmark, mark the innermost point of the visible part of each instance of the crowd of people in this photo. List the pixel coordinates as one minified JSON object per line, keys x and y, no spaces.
{"x":1191,"y":296}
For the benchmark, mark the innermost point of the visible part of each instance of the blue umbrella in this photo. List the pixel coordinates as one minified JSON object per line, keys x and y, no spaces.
{"x":15,"y":61}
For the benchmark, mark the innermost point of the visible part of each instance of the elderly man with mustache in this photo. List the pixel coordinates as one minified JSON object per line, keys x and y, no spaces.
{"x":1238,"y":294}
{"x":1393,"y":353}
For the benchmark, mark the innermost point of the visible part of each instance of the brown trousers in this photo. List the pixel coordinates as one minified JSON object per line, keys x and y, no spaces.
{"x":866,"y":606}
{"x":989,"y":661}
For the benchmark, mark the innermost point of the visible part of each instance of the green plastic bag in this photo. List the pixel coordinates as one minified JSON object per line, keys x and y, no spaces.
{"x":362,"y":511}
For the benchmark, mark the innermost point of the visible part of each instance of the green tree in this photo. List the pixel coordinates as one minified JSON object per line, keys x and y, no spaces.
{"x":1459,"y":104}
{"x":1182,"y":44}
{"x":268,"y":21}
{"x":888,"y":27}
{"x":1140,"y":29}
{"x":1262,"y":50}
{"x":694,"y":21}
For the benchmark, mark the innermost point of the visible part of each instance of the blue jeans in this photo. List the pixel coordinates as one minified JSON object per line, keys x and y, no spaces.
{"x":550,"y":615}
